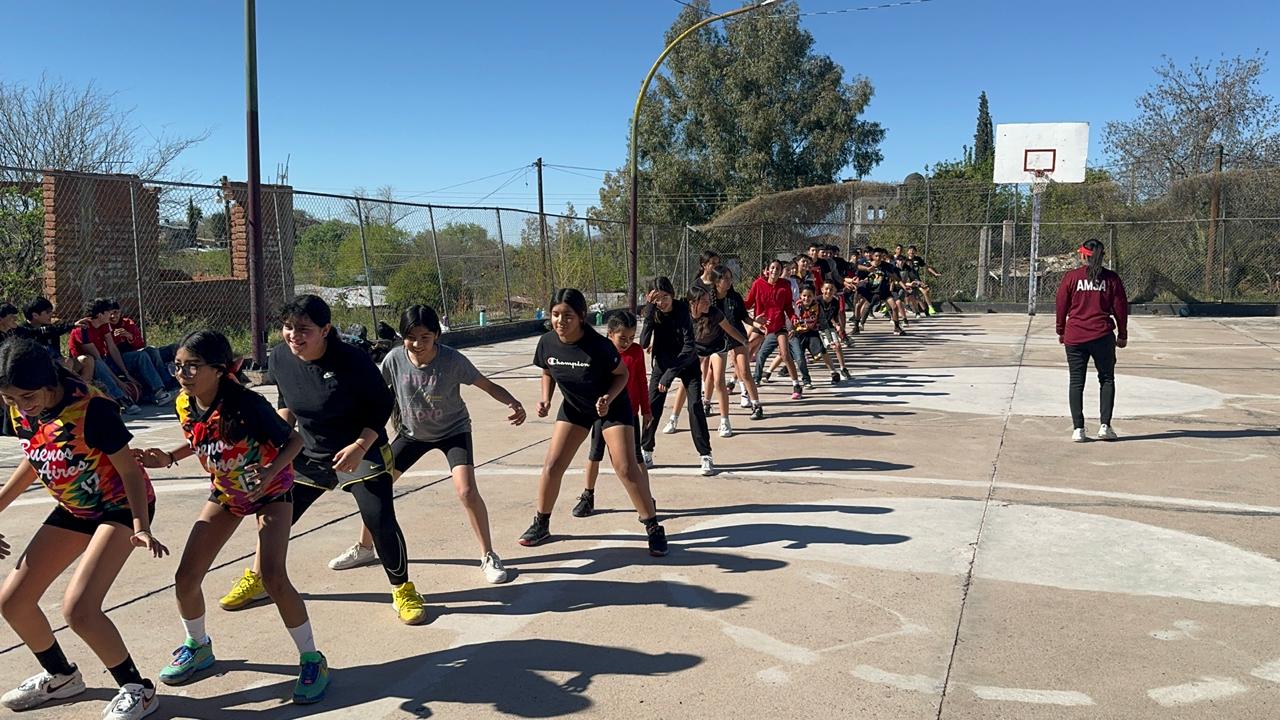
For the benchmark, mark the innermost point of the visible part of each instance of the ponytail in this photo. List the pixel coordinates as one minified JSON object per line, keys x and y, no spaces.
{"x":1093,"y":252}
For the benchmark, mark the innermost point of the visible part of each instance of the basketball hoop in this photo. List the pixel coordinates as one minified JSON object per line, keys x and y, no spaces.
{"x":1040,"y":180}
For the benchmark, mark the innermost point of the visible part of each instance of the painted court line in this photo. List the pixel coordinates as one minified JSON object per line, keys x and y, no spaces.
{"x":1068,"y":698}
{"x":913,"y":683}
{"x":1206,"y":688}
{"x":1268,"y":671}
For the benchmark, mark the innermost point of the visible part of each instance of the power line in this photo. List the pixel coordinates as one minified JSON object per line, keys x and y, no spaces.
{"x":468,"y":182}
{"x":885,"y":6}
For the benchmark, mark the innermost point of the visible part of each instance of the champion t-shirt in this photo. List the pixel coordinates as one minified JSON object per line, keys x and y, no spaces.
{"x":582,"y":370}
{"x":429,"y":398}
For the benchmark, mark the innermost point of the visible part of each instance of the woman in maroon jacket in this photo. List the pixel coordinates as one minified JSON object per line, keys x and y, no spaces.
{"x":1091,"y":305}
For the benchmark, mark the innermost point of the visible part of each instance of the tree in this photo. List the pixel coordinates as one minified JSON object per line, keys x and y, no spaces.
{"x":984,"y":143}
{"x":58,"y":125}
{"x":194,"y":214}
{"x":744,"y":108}
{"x":1189,"y":112}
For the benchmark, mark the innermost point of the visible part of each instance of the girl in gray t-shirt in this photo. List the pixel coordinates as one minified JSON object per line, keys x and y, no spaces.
{"x":427,"y":378}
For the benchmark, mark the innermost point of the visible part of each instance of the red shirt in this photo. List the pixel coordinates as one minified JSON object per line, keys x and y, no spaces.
{"x":127,"y":334}
{"x":771,"y":302}
{"x":637,"y":379}
{"x":1085,"y":310}
{"x":95,"y":336}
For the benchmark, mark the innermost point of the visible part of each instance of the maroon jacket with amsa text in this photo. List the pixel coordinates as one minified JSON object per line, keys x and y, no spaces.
{"x":1086,"y":310}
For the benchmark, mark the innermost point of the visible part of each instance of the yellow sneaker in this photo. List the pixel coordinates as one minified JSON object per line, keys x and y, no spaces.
{"x":409,"y":604}
{"x":247,"y":591}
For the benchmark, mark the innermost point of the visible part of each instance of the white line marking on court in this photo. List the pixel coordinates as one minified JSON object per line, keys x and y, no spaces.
{"x":46,"y":499}
{"x":1206,"y":688}
{"x":774,"y":676}
{"x":1269,"y":671}
{"x":1039,"y":697}
{"x":1183,"y":630}
{"x":914,"y":683}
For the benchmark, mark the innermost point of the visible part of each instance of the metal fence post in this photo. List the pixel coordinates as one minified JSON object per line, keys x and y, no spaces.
{"x":435,"y":248}
{"x":1222,"y":237}
{"x":653,"y":245}
{"x":285,"y":292}
{"x":364,"y":253}
{"x":137,"y":256}
{"x":984,"y":255}
{"x":928,"y":216}
{"x":1111,"y":248}
{"x":1007,"y":230}
{"x":684,"y":245}
{"x":506,"y":279}
{"x":591,"y":255}
{"x":761,"y":263}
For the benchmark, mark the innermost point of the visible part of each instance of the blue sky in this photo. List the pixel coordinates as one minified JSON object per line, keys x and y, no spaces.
{"x":423,"y":95}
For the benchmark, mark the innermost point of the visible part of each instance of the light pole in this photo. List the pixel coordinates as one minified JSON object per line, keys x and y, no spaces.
{"x":634,"y":229}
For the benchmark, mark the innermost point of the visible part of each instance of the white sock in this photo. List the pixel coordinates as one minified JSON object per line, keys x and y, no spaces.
{"x":303,"y":638}
{"x":724,"y":418}
{"x":675,"y":417}
{"x":195,"y":629}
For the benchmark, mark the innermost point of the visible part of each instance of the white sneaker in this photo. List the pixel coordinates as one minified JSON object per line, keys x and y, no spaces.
{"x":494,"y":572}
{"x":708,"y":468}
{"x":725,"y":429}
{"x":1078,"y":435}
{"x":1106,"y":433}
{"x":132,"y":410}
{"x":40,"y":689}
{"x":353,"y":557}
{"x":670,"y":427}
{"x":161,"y":397}
{"x":133,"y":702}
{"x":647,"y":456}
{"x":746,"y":402}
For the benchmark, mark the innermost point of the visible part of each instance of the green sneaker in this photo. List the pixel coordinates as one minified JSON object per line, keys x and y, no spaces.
{"x":313,"y":679}
{"x":190,"y":658}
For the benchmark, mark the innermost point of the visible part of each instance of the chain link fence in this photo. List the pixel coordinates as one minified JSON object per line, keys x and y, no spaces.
{"x":175,"y":254}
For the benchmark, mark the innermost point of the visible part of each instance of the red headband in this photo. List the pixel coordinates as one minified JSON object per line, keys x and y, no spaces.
{"x":1085,"y":252}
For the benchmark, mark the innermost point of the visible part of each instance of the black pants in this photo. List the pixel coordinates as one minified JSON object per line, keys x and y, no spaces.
{"x":693,"y":399}
{"x":1103,"y":352}
{"x":378,"y":512}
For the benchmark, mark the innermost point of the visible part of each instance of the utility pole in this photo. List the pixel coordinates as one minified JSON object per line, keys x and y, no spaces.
{"x":542,"y":236}
{"x":253,"y":209}
{"x":1215,"y":199}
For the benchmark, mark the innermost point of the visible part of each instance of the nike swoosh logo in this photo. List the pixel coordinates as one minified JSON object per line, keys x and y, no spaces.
{"x":52,"y":688}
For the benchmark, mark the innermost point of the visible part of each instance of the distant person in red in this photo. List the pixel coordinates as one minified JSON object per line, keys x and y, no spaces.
{"x":1091,"y":306}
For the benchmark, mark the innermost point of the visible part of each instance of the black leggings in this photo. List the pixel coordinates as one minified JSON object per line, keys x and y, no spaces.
{"x":374,"y":499}
{"x":692,"y":380}
{"x":1103,"y":352}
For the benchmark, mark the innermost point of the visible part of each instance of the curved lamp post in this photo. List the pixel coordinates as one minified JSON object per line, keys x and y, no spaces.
{"x":634,"y":230}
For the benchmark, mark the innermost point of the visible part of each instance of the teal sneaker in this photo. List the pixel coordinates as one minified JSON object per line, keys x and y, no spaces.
{"x":313,"y":679}
{"x":190,"y":658}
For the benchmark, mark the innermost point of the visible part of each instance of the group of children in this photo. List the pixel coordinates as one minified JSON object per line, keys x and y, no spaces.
{"x":329,"y":431}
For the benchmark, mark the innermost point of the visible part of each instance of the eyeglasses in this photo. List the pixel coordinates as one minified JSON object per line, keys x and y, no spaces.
{"x":187,"y":370}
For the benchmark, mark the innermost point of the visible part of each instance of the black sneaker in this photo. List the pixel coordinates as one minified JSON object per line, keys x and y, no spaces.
{"x":657,"y":541}
{"x":731,"y":385}
{"x":538,"y":533}
{"x":835,"y":378}
{"x":757,"y":413}
{"x":586,"y":504}
{"x":765,"y":378}
{"x":808,"y":384}
{"x":847,"y":376}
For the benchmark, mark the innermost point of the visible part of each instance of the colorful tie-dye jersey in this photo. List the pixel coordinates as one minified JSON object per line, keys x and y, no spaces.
{"x":227,"y":444}
{"x":80,"y":478}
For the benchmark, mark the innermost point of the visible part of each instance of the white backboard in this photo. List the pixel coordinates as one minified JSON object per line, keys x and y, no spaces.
{"x":1058,"y":149}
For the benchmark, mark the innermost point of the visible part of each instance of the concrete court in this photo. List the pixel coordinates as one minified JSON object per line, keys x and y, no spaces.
{"x":924,"y":542}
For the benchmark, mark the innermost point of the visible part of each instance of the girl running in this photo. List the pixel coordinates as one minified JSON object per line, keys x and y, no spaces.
{"x":1092,"y":304}
{"x":593,"y":378}
{"x":337,"y":398}
{"x":707,"y":262}
{"x":247,"y":449}
{"x":769,"y":300}
{"x":427,"y":378}
{"x":668,"y":334}
{"x":77,"y":445}
{"x":711,"y":332}
{"x":622,"y":333}
{"x":734,"y":308}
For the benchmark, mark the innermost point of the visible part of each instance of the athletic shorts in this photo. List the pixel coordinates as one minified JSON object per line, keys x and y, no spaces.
{"x":595,"y":453}
{"x":456,"y":449}
{"x":62,"y":518}
{"x":319,"y":473}
{"x":830,"y":338}
{"x":286,"y":496}
{"x":866,"y":293}
{"x":619,"y":413}
{"x":811,"y":344}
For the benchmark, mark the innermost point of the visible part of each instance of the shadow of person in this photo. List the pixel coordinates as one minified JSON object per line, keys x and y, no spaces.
{"x":801,"y":464}
{"x":795,"y":537}
{"x":506,"y":676}
{"x":1204,"y":434}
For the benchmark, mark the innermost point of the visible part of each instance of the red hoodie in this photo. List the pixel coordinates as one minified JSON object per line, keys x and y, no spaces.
{"x":771,"y":302}
{"x":1085,"y":310}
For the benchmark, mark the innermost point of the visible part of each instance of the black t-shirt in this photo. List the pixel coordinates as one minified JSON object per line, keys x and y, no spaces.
{"x":102,"y":427}
{"x":909,"y":273}
{"x":246,"y":414}
{"x":669,"y":338}
{"x":919,"y":263}
{"x":334,"y":398}
{"x":583,"y":370}
{"x":708,"y":336}
{"x":828,"y":313}
{"x":734,"y":309}
{"x":48,"y":335}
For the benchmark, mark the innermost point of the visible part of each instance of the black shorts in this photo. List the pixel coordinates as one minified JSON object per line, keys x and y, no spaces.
{"x":595,"y":453}
{"x":319,"y":473}
{"x":62,"y":518}
{"x":287,"y":496}
{"x":866,"y":293}
{"x":407,"y":451}
{"x":619,"y":413}
{"x":811,"y":344}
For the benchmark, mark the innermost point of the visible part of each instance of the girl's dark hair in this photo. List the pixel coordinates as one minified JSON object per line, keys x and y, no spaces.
{"x":574,"y":298}
{"x":27,"y":365}
{"x":621,"y":320}
{"x":695,"y":293}
{"x":212,"y":347}
{"x":662,"y":283}
{"x":1097,"y":250}
{"x":419,"y":315}
{"x":311,"y":307}
{"x":707,"y":256}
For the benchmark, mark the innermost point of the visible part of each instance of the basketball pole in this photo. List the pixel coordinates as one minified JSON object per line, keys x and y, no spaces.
{"x":1036,"y":190}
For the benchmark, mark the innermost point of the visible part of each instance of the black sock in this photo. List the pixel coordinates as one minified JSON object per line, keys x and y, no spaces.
{"x":126,"y":673}
{"x":54,"y":661}
{"x":650,"y":523}
{"x":589,"y":491}
{"x":544,"y":518}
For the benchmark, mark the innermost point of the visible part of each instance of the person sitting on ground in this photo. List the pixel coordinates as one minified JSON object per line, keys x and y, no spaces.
{"x":8,"y":320}
{"x":42,"y":327}
{"x":92,"y":340}
{"x":143,"y":360}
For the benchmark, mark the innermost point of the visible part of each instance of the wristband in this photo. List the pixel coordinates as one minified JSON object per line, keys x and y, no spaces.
{"x":360,"y":444}
{"x":172,"y":460}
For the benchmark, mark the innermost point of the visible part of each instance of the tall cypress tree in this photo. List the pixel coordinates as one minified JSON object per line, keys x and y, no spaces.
{"x":984,"y":145}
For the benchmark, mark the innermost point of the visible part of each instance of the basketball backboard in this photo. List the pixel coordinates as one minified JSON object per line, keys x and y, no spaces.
{"x":1053,"y":151}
